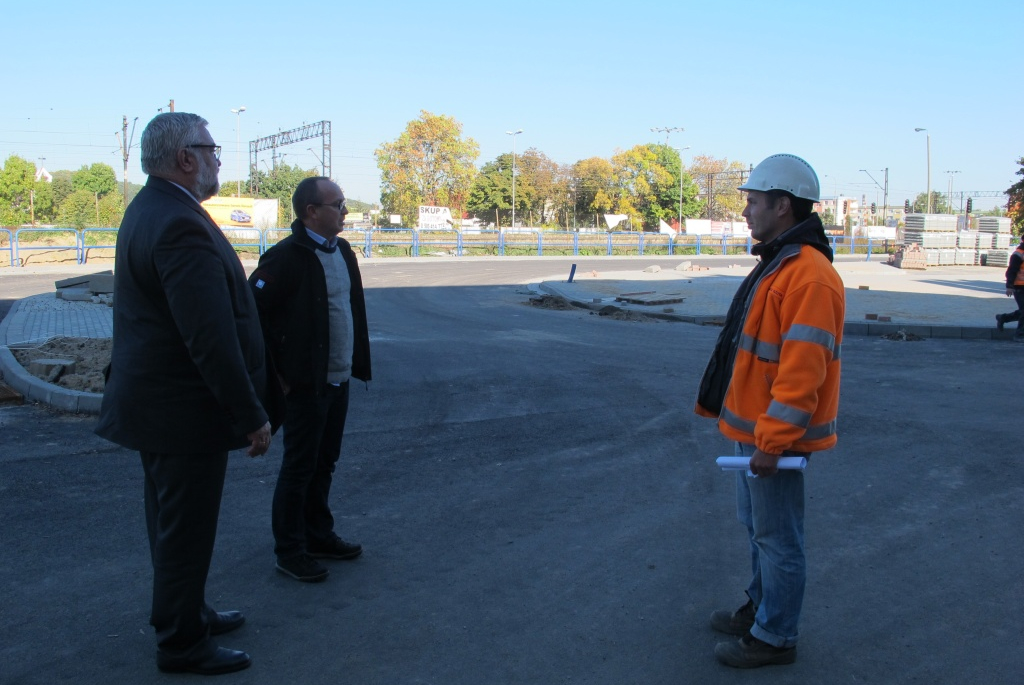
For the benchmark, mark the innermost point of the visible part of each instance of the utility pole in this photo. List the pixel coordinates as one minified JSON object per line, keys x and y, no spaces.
{"x":885,"y":197}
{"x":126,"y":145}
{"x":949,"y":191}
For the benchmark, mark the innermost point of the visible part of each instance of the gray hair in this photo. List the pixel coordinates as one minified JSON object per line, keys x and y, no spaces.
{"x":164,"y":136}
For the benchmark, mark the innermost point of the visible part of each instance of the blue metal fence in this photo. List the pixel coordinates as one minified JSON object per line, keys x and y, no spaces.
{"x":72,"y":235}
{"x":83,"y":249}
{"x":409,"y":242}
{"x":8,"y":245}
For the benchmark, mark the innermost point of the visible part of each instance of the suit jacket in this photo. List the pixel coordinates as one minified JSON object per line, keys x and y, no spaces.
{"x":188,"y":368}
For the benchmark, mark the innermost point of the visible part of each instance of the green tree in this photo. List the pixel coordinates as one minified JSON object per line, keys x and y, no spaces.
{"x":537,"y":178}
{"x":490,"y":197}
{"x":719,"y":181}
{"x":45,"y":210}
{"x":79,"y":210}
{"x":647,"y":188}
{"x":1015,"y":206}
{"x":17,"y":179}
{"x":61,"y":187}
{"x":279,"y":184}
{"x":111,"y":210}
{"x":98,"y":178}
{"x":429,"y":164}
{"x":939,"y":204}
{"x":86,"y":209}
{"x":592,"y":185}
{"x":228,"y":188}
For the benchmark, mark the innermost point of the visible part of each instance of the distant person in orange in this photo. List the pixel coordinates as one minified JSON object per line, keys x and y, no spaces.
{"x":1015,"y":287}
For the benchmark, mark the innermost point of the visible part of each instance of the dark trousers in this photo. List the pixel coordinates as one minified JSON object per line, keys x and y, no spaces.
{"x":183,"y":493}
{"x":313,"y":428}
{"x":1018,"y":297}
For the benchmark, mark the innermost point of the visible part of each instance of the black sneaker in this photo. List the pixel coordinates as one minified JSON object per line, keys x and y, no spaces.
{"x":737,"y":622}
{"x":304,"y":568}
{"x":749,"y":652}
{"x":334,"y":549}
{"x":999,"y":321}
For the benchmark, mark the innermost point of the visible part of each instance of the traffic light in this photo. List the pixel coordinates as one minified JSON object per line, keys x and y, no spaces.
{"x":969,"y":204}
{"x":906,"y":206}
{"x":872,"y":207}
{"x":846,"y":206}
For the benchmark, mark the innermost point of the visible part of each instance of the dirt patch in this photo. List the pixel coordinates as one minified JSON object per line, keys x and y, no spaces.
{"x":618,"y":314}
{"x":91,"y":355}
{"x":615,"y":313}
{"x":902,"y":336}
{"x":551,"y":302}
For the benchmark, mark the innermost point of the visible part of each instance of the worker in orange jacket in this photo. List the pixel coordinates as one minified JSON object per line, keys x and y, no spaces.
{"x":773,"y":384}
{"x":1015,"y":288}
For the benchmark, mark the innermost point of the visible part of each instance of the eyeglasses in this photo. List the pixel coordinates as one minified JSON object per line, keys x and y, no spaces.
{"x":339,"y":205}
{"x":215,"y":148}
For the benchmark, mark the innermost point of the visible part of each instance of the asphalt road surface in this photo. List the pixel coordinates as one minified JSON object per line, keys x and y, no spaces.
{"x":538,"y":504}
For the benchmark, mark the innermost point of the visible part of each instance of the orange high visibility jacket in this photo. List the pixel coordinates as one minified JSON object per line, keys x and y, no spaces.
{"x":784,"y":389}
{"x":1014,"y":272}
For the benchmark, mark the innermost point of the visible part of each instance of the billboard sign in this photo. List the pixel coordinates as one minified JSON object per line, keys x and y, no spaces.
{"x":242,"y":212}
{"x":435,"y":218}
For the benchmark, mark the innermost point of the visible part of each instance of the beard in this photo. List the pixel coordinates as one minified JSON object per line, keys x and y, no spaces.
{"x":207,"y":184}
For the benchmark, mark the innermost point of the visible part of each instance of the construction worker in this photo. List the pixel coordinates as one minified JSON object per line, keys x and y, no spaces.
{"x":773,"y":385}
{"x":1015,"y":287}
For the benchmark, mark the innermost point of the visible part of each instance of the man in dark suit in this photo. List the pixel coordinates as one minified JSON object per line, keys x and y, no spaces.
{"x":186,"y":381}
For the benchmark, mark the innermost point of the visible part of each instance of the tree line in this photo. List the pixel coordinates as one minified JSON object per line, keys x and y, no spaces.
{"x":432,"y":163}
{"x":89,"y":197}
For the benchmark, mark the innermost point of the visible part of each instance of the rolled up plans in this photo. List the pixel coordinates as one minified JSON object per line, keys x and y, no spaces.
{"x":743,"y":463}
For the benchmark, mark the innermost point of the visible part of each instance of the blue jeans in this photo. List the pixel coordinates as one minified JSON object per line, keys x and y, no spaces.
{"x":772,"y":509}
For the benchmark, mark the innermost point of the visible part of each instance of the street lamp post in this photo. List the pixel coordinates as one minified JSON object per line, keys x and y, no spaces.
{"x":667,"y":130}
{"x":680,"y":151}
{"x":928,"y":143}
{"x":514,"y":134}
{"x":238,"y":146}
{"x":949,"y":191}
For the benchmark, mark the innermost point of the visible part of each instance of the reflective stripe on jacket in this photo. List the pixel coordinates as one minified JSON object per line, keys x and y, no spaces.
{"x":784,"y":389}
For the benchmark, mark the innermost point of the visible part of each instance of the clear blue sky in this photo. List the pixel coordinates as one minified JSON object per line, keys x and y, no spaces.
{"x":841,"y":84}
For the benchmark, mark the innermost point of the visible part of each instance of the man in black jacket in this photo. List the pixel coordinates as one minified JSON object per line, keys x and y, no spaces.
{"x":310,"y":298}
{"x":186,"y":381}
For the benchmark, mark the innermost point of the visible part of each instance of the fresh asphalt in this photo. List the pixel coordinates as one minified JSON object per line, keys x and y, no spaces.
{"x":538,"y":504}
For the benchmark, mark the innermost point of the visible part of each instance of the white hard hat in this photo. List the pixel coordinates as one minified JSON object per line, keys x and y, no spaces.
{"x":785,"y":172}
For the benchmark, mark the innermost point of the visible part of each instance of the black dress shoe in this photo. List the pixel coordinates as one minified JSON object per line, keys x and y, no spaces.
{"x":222,"y":661}
{"x":224,"y":621}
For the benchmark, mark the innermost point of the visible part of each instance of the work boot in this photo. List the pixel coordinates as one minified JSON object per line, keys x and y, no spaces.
{"x":749,"y":652}
{"x":1000,"y":321}
{"x":737,"y":622}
